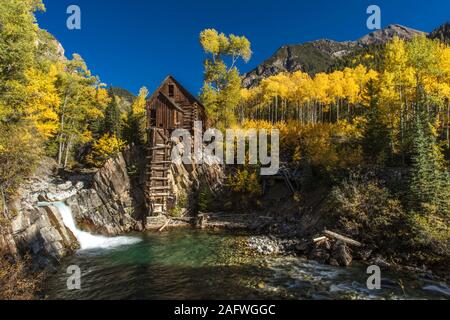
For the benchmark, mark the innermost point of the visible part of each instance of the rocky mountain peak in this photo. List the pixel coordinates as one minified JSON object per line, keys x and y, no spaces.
{"x":388,"y":33}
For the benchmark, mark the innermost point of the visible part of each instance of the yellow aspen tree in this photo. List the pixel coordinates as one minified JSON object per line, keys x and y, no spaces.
{"x":42,"y":101}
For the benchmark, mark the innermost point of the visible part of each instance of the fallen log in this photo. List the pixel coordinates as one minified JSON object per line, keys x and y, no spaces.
{"x":346,"y":240}
{"x":165,"y":225}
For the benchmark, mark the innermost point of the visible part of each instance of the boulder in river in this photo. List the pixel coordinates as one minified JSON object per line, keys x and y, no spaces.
{"x":321,"y":251}
{"x":341,"y":254}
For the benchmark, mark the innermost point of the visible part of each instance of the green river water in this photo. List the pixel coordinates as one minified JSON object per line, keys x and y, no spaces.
{"x":192,"y":264}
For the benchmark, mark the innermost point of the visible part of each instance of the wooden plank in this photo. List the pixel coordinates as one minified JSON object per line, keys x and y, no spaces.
{"x":155,"y":168}
{"x":162,"y":147}
{"x":160,"y":162}
{"x":161,"y":188}
{"x":156,"y":195}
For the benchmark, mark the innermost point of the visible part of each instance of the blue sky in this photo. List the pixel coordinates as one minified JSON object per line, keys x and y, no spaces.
{"x":134,"y":43}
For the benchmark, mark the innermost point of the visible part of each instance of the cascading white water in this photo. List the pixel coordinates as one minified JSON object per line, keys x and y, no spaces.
{"x":88,"y":241}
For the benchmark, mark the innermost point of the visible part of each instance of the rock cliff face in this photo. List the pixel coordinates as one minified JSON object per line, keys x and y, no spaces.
{"x":113,"y":204}
{"x":39,"y":231}
{"x":186,"y":180}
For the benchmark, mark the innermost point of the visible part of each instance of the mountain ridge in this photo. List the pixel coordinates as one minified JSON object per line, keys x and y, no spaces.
{"x":320,"y":55}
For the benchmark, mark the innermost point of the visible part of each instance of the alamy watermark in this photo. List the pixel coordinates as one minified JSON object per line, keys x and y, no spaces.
{"x":74,"y":20}
{"x":209,"y":147}
{"x":374,"y":20}
{"x":74,"y":280}
{"x":374,"y":281}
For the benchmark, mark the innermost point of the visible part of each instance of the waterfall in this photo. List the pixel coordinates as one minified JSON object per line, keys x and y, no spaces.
{"x":88,"y":241}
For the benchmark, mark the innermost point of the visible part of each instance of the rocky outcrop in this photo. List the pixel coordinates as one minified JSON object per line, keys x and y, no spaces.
{"x":186,"y":179}
{"x":270,"y":245}
{"x":387,"y":34}
{"x":112,"y":205}
{"x":38,"y":231}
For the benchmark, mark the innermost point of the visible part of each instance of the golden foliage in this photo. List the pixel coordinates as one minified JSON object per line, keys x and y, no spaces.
{"x":103,"y":149}
{"x":245,"y":181}
{"x":43,"y":101}
{"x":326,"y":145}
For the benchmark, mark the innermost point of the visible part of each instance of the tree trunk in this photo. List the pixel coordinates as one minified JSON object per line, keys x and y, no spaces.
{"x":61,"y":134}
{"x":276,"y":109}
{"x":5,"y":205}
{"x":448,"y":124}
{"x":69,"y":146}
{"x":61,"y":142}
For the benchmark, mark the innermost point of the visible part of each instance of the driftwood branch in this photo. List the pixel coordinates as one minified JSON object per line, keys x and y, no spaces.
{"x":319,"y":239}
{"x":165,"y":225}
{"x":346,"y":240}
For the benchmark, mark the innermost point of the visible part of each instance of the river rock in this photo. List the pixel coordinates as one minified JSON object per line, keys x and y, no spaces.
{"x":264,"y":245}
{"x":379,"y":261}
{"x":341,"y":254}
{"x":302,"y":247}
{"x":321,"y":252}
{"x":362,"y":254}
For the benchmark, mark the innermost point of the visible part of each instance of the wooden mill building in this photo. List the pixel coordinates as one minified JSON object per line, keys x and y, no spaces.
{"x":170,"y":107}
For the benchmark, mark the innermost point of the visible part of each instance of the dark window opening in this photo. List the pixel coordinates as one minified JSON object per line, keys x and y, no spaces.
{"x":171,"y":90}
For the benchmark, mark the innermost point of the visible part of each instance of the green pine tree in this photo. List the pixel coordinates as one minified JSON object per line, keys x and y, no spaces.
{"x":132,"y":130}
{"x":376,"y":138}
{"x":111,"y":123}
{"x":430,"y":182}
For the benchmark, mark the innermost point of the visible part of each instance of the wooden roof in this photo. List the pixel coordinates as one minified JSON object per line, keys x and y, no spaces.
{"x":184,"y":90}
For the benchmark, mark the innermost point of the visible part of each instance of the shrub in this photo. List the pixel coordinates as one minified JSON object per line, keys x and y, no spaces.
{"x":364,"y":209}
{"x":180,"y":206}
{"x":430,"y":232}
{"x":245,"y":187}
{"x":245,"y":181}
{"x":206,"y":198}
{"x":17,"y":282}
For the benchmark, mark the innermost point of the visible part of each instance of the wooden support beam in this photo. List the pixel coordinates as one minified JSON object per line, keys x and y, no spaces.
{"x":156,"y":195}
{"x":157,"y":169}
{"x":160,"y":162}
{"x":161,"y":188}
{"x":161,"y":147}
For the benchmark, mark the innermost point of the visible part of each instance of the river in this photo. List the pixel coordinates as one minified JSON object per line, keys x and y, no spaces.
{"x":193,"y":264}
